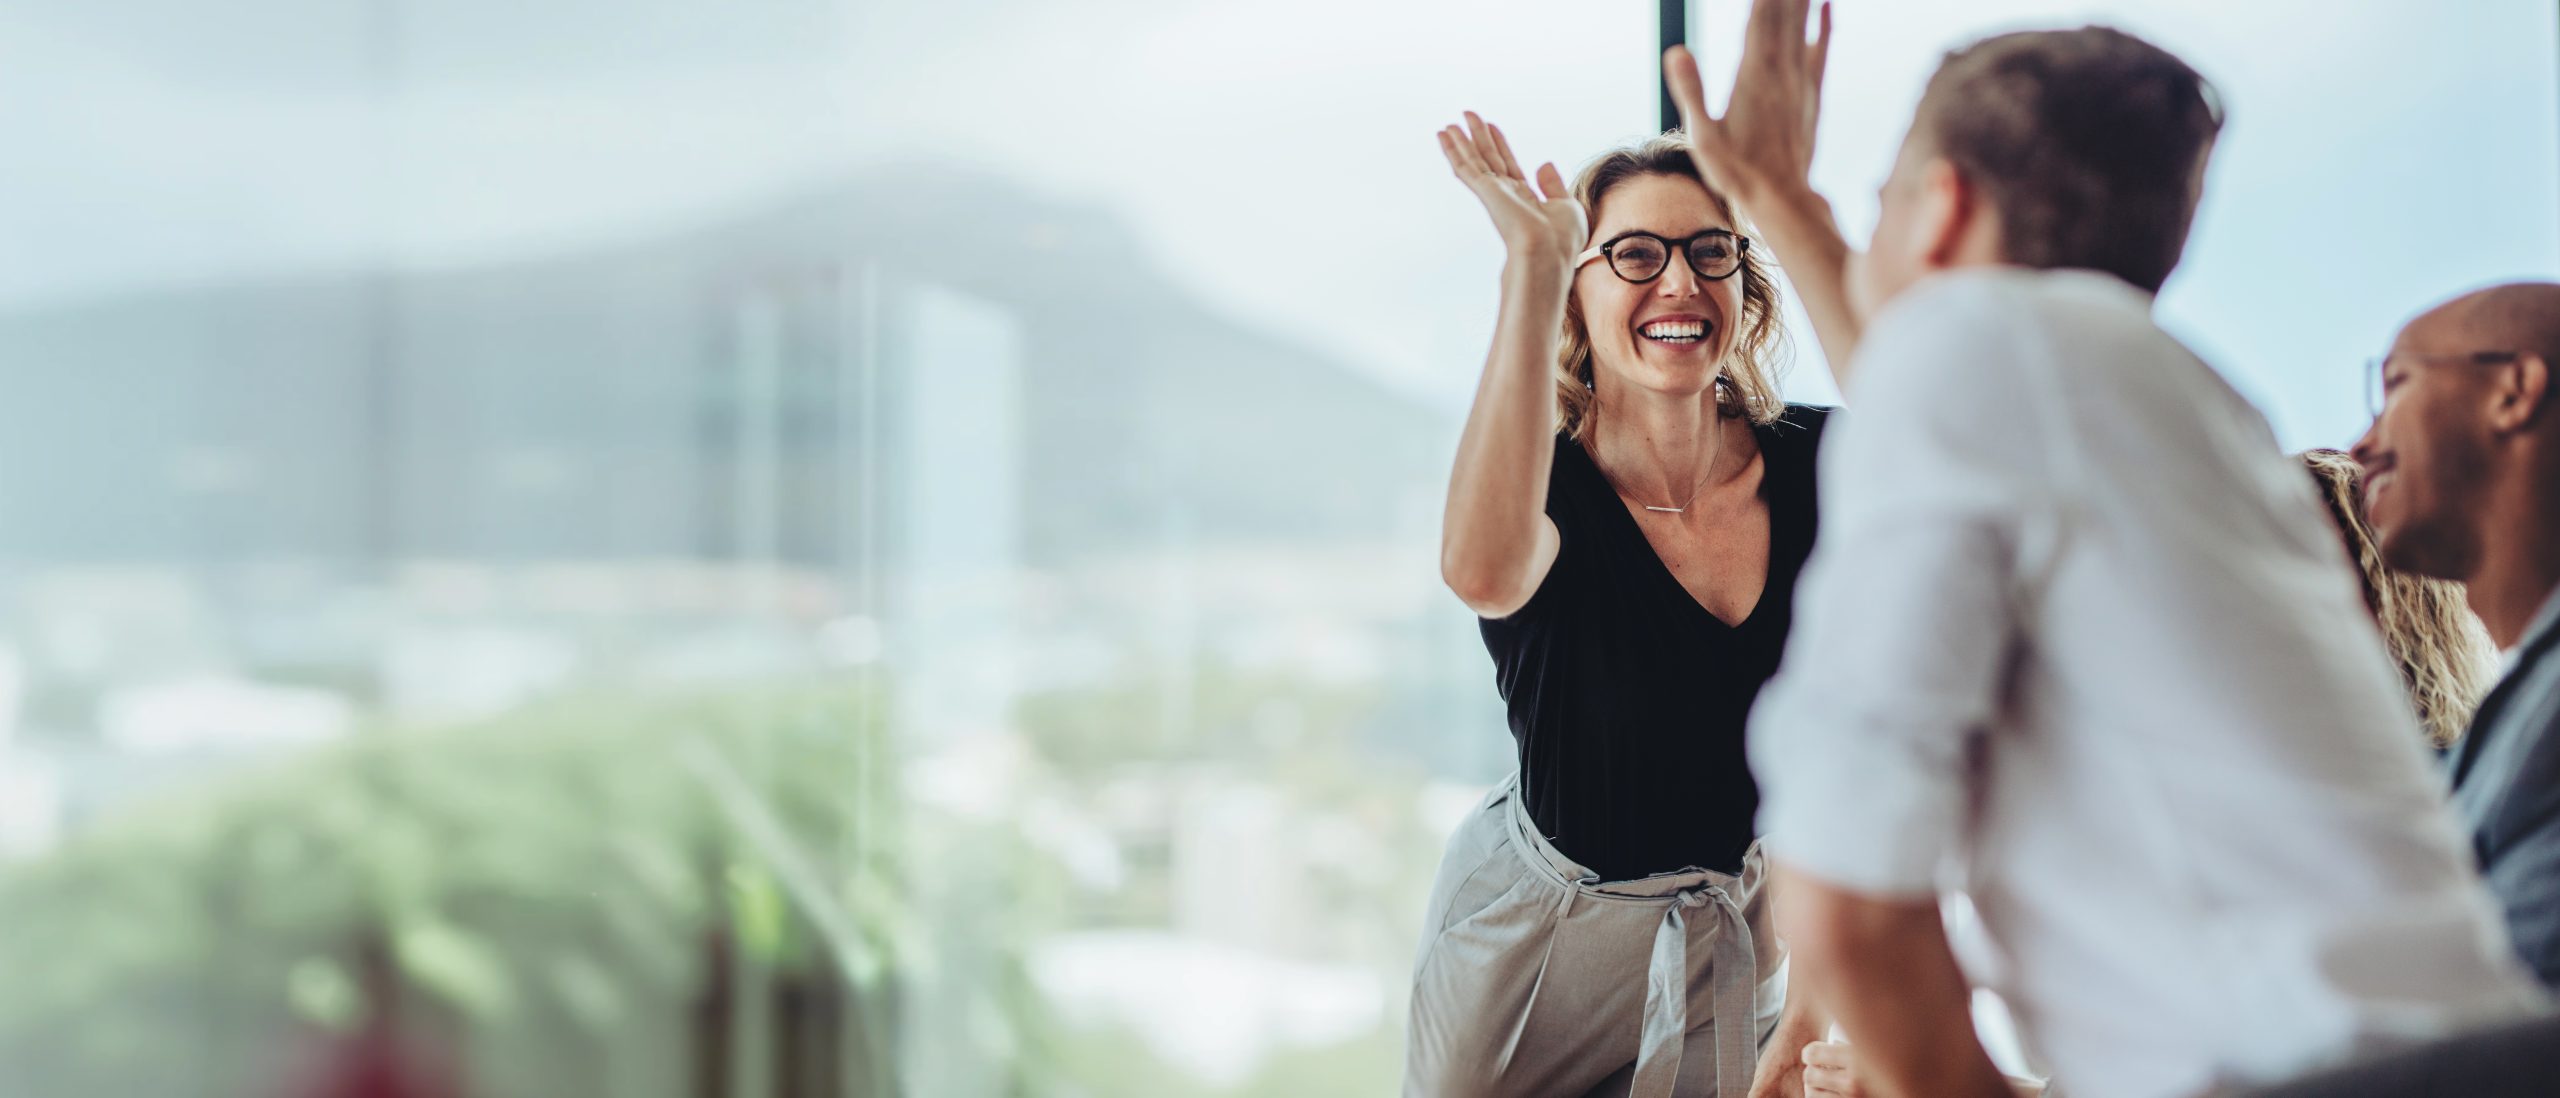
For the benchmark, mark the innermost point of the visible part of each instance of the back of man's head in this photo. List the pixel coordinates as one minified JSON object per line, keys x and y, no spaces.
{"x":2090,"y":144}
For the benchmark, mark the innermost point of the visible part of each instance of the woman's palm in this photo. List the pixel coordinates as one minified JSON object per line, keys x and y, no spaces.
{"x":1548,"y":224}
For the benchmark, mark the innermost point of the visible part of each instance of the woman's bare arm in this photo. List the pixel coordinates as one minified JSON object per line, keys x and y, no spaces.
{"x":1496,"y":542}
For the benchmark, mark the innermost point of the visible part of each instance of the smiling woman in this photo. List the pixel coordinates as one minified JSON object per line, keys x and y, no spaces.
{"x":1631,"y":504}
{"x":1656,"y":175}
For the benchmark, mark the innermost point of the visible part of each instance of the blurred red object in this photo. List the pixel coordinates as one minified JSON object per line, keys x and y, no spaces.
{"x":376,"y":1064}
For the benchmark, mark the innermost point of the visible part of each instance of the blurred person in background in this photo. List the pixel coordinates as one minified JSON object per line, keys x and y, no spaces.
{"x":2445,"y":659}
{"x":2460,"y":480}
{"x":2462,"y":468}
{"x":1630,"y":506}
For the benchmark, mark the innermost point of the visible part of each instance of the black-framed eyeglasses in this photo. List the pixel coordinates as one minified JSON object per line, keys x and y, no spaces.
{"x":2379,"y":382}
{"x":1640,"y":257}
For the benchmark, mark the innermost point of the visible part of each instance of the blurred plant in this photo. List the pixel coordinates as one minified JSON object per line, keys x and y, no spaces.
{"x":556,"y":893}
{"x":700,"y":896}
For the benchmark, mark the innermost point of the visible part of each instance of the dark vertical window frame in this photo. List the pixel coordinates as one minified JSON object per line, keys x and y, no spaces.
{"x":1674,"y":24}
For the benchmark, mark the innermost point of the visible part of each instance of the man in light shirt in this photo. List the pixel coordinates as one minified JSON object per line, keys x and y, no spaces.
{"x":2077,"y":640}
{"x":2462,"y":467}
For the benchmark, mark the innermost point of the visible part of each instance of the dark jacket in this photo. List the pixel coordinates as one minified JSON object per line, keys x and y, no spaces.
{"x":2506,"y":786}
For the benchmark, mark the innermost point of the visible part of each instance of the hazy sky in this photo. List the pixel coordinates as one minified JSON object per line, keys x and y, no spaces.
{"x":1277,"y":157}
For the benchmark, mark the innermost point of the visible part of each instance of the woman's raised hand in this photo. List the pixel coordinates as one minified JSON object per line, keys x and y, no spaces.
{"x":1542,"y":223}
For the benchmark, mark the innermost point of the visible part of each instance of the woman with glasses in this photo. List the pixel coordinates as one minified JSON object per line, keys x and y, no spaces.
{"x":1631,"y":504}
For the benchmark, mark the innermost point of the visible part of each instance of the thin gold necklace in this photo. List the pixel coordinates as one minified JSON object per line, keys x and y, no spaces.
{"x":1712,"y":457}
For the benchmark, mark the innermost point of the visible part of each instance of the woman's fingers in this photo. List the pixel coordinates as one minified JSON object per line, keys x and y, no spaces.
{"x":1501,"y":144}
{"x":1551,"y":182}
{"x":1482,"y":159}
{"x":1487,"y":150}
{"x":1461,"y":152}
{"x":1513,"y":207}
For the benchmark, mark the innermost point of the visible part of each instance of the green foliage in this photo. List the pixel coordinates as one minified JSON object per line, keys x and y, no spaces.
{"x":541,"y":886}
{"x":553,"y":868}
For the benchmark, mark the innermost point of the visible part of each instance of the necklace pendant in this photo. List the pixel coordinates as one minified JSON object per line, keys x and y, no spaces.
{"x":1673,"y":510}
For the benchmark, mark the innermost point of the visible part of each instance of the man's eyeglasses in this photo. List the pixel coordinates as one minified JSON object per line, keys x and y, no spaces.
{"x":1641,"y":257}
{"x":2380,"y":381}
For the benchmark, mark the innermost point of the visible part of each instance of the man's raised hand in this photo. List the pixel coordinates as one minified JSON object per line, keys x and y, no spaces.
{"x":1763,"y":146}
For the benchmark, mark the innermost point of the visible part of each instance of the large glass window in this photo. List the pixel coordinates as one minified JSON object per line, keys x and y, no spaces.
{"x":827,"y":547}
{"x":802,"y":547}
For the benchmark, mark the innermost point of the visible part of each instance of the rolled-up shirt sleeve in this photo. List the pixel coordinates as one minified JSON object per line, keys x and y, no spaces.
{"x":1906,"y":618}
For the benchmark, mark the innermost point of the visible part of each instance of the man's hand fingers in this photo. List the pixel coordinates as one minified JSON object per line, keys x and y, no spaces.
{"x":1688,"y":91}
{"x":1829,"y":1054}
{"x":1775,"y":42}
{"x":1765,"y":32}
{"x":1830,"y":1068}
{"x":1830,"y":1081}
{"x":1820,"y":58}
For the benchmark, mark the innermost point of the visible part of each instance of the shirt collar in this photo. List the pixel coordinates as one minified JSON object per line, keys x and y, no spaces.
{"x":2547,"y":618}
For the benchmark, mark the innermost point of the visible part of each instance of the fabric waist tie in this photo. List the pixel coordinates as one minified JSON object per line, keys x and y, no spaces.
{"x":1666,"y":998}
{"x":1734,"y":983}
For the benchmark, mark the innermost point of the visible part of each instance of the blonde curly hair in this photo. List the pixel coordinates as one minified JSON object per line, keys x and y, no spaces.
{"x":2445,"y":657}
{"x":1748,"y":384}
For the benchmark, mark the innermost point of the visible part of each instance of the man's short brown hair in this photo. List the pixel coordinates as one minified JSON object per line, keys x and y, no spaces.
{"x":2089,"y":143}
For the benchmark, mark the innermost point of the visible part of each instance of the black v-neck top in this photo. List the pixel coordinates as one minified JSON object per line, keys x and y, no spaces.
{"x":1629,"y":699}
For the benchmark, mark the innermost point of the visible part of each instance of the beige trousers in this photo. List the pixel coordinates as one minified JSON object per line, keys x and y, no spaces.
{"x":1537,"y":978}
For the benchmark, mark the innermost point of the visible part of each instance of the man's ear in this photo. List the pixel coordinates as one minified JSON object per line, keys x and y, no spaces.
{"x":1948,"y":206}
{"x":2524,"y":393}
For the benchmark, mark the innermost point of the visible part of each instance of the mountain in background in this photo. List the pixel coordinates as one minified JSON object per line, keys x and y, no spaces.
{"x":606,"y":403}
